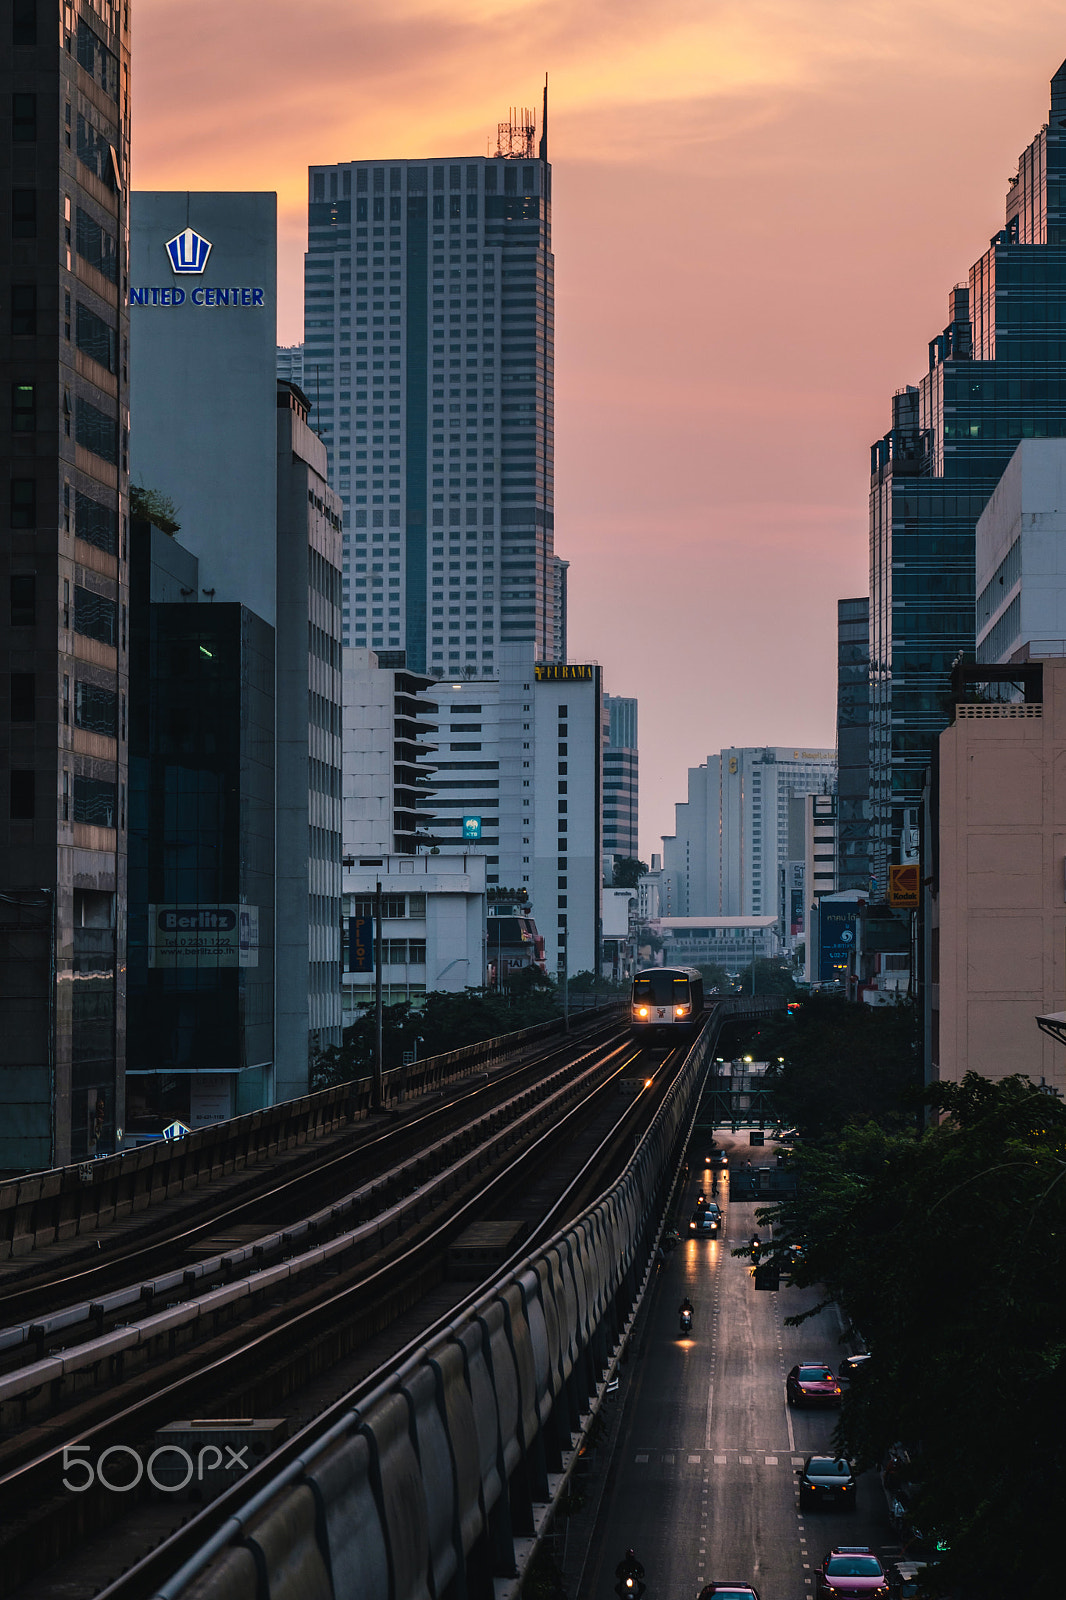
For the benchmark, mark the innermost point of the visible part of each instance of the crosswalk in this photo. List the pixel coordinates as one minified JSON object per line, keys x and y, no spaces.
{"x":706,"y":1458}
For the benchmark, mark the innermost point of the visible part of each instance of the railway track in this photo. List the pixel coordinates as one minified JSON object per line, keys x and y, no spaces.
{"x":250,"y":1341}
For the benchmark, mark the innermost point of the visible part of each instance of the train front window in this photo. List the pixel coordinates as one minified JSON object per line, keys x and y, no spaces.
{"x":660,"y":989}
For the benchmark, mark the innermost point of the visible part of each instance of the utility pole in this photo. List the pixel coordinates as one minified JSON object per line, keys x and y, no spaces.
{"x":377,"y":1096}
{"x":753,"y":966}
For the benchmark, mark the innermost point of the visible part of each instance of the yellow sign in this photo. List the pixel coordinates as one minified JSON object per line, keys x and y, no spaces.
{"x":563,"y":674}
{"x":904,"y":885}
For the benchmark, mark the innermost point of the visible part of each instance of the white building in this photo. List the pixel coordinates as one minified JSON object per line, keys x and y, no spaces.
{"x":389,"y":732}
{"x":290,"y":366}
{"x":433,"y":926}
{"x":519,"y":757}
{"x":730,"y":843}
{"x":1021,"y":557}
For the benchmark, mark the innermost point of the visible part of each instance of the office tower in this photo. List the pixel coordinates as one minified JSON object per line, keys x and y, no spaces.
{"x":519,"y":777}
{"x":730,"y":843}
{"x":230,"y":446}
{"x":620,"y":778}
{"x":63,"y":587}
{"x":435,"y":398}
{"x":996,"y":374}
{"x":853,"y":744}
{"x":290,"y":367}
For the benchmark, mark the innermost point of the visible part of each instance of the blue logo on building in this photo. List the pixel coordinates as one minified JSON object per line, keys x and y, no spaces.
{"x":188,"y":252}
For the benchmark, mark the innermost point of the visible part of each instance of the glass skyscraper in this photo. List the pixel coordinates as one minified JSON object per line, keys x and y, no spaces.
{"x":996,"y":374}
{"x":428,"y":359}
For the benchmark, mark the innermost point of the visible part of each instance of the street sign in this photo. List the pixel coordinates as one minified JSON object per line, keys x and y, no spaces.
{"x":471,"y":827}
{"x":175,"y":1130}
{"x":360,"y":944}
{"x":904,"y":884}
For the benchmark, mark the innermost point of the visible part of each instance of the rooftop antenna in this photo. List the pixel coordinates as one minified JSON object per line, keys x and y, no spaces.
{"x":543,"y":152}
{"x":514,"y":138}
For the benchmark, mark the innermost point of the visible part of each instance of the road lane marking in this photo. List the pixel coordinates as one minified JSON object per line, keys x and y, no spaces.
{"x":640,"y":1458}
{"x":791,"y":1435}
{"x":694,"y":1461}
{"x":745,"y":1461}
{"x":720,"y":1461}
{"x":797,"y":1461}
{"x":771,"y":1461}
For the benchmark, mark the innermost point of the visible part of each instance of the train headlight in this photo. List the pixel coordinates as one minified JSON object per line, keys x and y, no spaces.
{"x":642,"y":1011}
{"x":681,"y":1011}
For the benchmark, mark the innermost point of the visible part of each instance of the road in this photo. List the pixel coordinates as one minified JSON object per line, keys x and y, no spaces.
{"x":703,"y":1480}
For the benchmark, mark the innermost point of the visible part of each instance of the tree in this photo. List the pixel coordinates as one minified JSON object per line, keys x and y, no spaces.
{"x":947,"y":1248}
{"x":627,"y":872}
{"x":151,"y":505}
{"x":843,"y":1061}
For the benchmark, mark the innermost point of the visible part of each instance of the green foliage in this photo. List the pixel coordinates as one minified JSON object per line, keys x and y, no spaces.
{"x":151,"y":505}
{"x":947,"y":1249}
{"x":717,"y":978}
{"x":628,"y":871}
{"x":843,"y":1062}
{"x":648,"y":939}
{"x":446,"y":1022}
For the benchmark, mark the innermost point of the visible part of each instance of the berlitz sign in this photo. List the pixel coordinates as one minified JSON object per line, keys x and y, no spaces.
{"x":188,"y":253}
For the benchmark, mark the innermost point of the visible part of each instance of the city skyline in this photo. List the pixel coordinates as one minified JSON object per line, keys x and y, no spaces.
{"x":739,"y":443}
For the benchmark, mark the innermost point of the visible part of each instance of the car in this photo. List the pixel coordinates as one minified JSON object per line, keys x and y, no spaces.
{"x":812,"y":1383}
{"x":706,"y":1221}
{"x":717,"y":1158}
{"x":728,"y":1591}
{"x":826,"y":1480}
{"x":853,"y":1364}
{"x":851,"y":1572}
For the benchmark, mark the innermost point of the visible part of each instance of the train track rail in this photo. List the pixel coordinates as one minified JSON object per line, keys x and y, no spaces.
{"x":255,"y":1340}
{"x":39,"y":1306}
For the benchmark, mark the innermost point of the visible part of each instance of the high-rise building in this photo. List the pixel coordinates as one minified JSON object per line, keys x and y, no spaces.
{"x":620,"y":778}
{"x":853,"y":744}
{"x":389,"y":732}
{"x":231,"y":447}
{"x":560,"y":568}
{"x":65,"y":80}
{"x":997,"y":374}
{"x":428,"y":352}
{"x":731,"y":841}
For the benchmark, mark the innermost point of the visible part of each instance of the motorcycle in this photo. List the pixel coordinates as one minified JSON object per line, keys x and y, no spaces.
{"x":686,"y":1322}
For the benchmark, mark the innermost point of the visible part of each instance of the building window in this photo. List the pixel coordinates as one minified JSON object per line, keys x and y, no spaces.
{"x":22,"y":794}
{"x":23,"y":696}
{"x":24,"y":118}
{"x":23,"y":595}
{"x":23,"y":408}
{"x":23,"y":502}
{"x":23,"y":213}
{"x":95,"y":337}
{"x":94,"y":615}
{"x":94,"y":802}
{"x":23,"y":308}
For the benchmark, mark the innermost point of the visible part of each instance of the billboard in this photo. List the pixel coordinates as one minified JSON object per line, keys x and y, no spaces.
{"x":360,"y":944}
{"x":904,"y":884}
{"x":203,"y":936}
{"x":836,"y":940}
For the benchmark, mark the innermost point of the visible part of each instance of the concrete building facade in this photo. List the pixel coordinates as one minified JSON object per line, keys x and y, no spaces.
{"x":433,"y":926}
{"x":389,"y":743}
{"x":996,"y":918}
{"x":64,"y":161}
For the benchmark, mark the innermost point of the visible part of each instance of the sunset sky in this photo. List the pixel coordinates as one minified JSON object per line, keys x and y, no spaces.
{"x":759,"y":209}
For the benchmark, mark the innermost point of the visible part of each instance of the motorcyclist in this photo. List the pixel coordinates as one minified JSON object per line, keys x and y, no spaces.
{"x":686,"y":1305}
